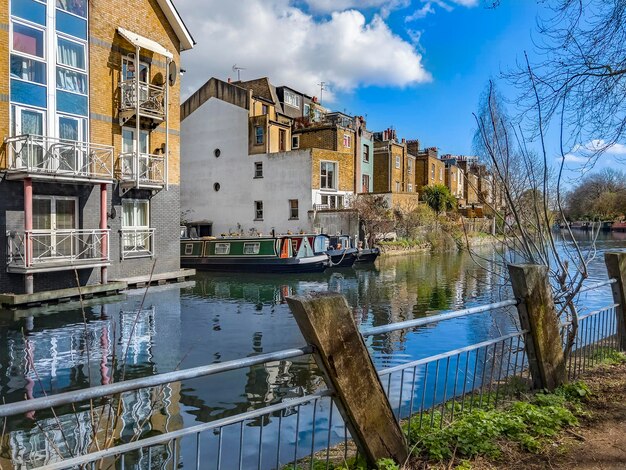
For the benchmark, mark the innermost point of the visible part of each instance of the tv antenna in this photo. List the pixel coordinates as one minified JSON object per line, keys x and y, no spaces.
{"x":322,"y":86}
{"x":238,"y":70}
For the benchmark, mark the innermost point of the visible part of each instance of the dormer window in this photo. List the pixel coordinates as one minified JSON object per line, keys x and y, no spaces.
{"x":292,"y":99}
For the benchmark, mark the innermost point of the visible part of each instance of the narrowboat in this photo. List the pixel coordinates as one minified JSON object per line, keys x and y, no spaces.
{"x":280,"y":254}
{"x":363,"y":255}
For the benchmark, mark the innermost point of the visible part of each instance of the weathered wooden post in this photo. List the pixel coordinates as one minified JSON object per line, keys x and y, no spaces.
{"x":327,"y":324}
{"x":538,"y":316}
{"x":616,"y":267}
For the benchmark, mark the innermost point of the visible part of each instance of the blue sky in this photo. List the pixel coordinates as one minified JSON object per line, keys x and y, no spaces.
{"x":419,"y":66}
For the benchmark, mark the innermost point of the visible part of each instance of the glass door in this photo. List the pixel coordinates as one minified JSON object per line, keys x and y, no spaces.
{"x":71,"y":155}
{"x":30,"y":122}
{"x":129,"y":147}
{"x":54,"y":222}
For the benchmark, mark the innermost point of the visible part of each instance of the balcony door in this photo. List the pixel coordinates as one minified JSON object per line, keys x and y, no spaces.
{"x":54,"y":220}
{"x":129,"y":148}
{"x":72,"y":155}
{"x":29,"y":122}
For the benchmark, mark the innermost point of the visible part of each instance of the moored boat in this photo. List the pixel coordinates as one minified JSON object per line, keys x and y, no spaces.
{"x":341,"y":254}
{"x":363,"y":255}
{"x":279,"y":254}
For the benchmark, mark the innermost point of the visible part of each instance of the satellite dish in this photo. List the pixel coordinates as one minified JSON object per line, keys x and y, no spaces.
{"x":173,"y":73}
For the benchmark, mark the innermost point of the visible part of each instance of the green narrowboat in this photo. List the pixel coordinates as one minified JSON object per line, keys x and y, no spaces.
{"x":255,"y":254}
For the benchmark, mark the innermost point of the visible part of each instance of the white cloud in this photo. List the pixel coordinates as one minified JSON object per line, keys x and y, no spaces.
{"x":586,"y":153}
{"x":328,"y":6}
{"x":428,"y":7}
{"x":277,"y":39}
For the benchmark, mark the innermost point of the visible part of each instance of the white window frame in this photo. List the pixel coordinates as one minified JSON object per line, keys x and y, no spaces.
{"x":143,"y":232}
{"x":222,"y":248}
{"x":410,"y":188}
{"x":295,"y":142}
{"x":84,"y":72}
{"x":292,"y":99}
{"x":258,"y":204}
{"x":410,"y":164}
{"x":256,"y":248}
{"x":397,"y":161}
{"x":335,"y":178}
{"x":291,"y":209}
{"x":347,"y":141}
{"x":306,"y":112}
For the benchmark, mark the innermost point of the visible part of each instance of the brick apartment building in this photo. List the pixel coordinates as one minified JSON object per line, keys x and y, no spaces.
{"x":90,"y":160}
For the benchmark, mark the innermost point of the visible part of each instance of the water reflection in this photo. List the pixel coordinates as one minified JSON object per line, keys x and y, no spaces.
{"x":225,"y":317}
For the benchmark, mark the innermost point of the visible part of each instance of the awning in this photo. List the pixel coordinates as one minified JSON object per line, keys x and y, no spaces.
{"x":144,"y":43}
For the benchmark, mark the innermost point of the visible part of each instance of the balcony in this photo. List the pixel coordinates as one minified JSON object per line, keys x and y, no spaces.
{"x":48,"y":158}
{"x":137,"y":243}
{"x":151,"y":101}
{"x":142,"y":171}
{"x":56,"y":250}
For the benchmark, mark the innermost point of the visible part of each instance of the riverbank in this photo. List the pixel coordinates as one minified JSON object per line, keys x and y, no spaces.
{"x":447,"y":244}
{"x":597,"y":441}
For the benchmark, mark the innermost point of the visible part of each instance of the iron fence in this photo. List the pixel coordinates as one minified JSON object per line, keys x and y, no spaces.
{"x":308,"y":430}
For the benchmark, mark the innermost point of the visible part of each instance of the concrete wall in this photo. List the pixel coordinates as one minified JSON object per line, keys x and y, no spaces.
{"x":345,"y":222}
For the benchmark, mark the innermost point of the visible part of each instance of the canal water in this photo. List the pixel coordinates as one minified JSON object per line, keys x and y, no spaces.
{"x":228,"y":316}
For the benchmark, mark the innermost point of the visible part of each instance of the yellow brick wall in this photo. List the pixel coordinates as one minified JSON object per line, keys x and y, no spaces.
{"x":345,"y":168}
{"x":106,"y":48}
{"x":381,"y":172}
{"x":424,"y":175}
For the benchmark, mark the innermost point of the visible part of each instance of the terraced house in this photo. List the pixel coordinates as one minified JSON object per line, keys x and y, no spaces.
{"x":90,"y":159}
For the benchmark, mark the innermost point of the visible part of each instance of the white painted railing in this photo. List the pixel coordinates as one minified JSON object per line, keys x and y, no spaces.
{"x":136,"y":243}
{"x":70,"y":159}
{"x":151,"y":98}
{"x":142,"y":169}
{"x":42,"y":248}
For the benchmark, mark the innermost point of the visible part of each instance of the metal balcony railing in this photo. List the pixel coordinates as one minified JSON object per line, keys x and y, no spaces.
{"x":55,"y":250}
{"x":143,"y":169}
{"x":136,"y":243}
{"x":151,"y":99}
{"x":60,"y":159}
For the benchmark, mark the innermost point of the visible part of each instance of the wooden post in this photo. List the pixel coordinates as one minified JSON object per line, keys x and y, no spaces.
{"x":327,"y":324}
{"x":538,"y":316}
{"x":616,"y":267}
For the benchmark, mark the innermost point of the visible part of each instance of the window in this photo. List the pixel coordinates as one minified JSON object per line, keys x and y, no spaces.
{"x":295,"y":142}
{"x":292,"y":99}
{"x":28,"y":40}
{"x":252,"y":248}
{"x":365,"y":184}
{"x":332,"y":202}
{"x":264,"y":109}
{"x":410,"y":166}
{"x":293,"y":209}
{"x":432,"y":171}
{"x":347,"y":140}
{"x":188,"y":249}
{"x":410,"y":188}
{"x":128,"y":69}
{"x":258,"y":210}
{"x":258,"y":169}
{"x":259,"y":135}
{"x":77,"y":7}
{"x":366,"y":153}
{"x":282,"y":140}
{"x":453,"y":176}
{"x":136,"y":226}
{"x":70,"y":54}
{"x":307,"y":110}
{"x":328,"y":171}
{"x":398,"y":188}
{"x":28,"y":69}
{"x":222,"y":248}
{"x":397,"y":161}
{"x":317,"y":115}
{"x":440,"y":174}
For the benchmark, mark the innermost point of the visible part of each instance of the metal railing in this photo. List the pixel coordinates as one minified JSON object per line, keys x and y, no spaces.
{"x":142,"y":169}
{"x":42,"y":155}
{"x":425,"y":391}
{"x":136,"y":243}
{"x":151,"y":98}
{"x":40,"y":249}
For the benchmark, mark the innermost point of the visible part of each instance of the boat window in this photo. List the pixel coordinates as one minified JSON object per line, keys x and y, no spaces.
{"x":251,"y":248}
{"x":222,"y":248}
{"x":189,"y":248}
{"x":305,"y":249}
{"x":321,"y":244}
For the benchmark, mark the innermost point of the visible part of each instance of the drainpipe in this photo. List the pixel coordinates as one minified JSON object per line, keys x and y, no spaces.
{"x":28,"y":227}
{"x":105,"y":236}
{"x":137,"y":119}
{"x":167,"y":126}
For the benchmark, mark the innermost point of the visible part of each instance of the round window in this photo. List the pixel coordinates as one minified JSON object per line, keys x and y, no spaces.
{"x":216,"y":186}
{"x":217,"y":152}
